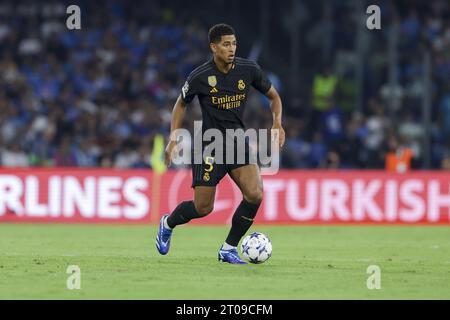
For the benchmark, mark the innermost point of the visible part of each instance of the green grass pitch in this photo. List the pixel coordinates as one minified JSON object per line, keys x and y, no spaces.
{"x":308,"y":262}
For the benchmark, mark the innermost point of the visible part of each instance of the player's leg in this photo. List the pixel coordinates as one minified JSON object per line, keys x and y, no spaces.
{"x":201,"y":206}
{"x":205,"y":176}
{"x":249,"y":181}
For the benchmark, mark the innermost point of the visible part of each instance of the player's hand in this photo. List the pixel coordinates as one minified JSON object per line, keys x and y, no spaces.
{"x":170,"y":148}
{"x":280,"y":136}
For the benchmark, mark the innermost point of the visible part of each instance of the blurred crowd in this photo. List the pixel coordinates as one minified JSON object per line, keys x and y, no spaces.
{"x":96,"y":97}
{"x":389,"y":130}
{"x":90,"y":97}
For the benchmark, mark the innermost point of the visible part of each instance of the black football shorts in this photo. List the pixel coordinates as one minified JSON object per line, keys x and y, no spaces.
{"x":209,"y":173}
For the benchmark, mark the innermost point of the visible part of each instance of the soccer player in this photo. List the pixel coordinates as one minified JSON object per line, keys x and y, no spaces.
{"x":221,"y":85}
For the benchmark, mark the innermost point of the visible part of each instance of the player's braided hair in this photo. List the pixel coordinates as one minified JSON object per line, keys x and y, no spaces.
{"x":217,"y":31}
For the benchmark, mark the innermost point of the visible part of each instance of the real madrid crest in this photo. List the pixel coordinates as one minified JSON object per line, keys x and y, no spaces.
{"x":206,"y":177}
{"x":241,"y":84}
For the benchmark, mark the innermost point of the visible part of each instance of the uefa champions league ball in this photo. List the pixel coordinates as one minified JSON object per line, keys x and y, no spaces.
{"x":256,"y":247}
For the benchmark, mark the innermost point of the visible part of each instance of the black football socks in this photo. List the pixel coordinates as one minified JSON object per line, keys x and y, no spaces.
{"x":182,"y":214}
{"x":241,"y":222}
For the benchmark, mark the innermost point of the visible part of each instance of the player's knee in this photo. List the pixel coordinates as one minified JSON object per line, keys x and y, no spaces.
{"x":203,"y":209}
{"x":254,"y":196}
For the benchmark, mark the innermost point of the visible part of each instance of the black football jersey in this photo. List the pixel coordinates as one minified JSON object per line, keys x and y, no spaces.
{"x":223,"y":96}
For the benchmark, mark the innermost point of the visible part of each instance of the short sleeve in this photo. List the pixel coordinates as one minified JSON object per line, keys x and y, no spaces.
{"x":260,"y":80}
{"x":189,"y":89}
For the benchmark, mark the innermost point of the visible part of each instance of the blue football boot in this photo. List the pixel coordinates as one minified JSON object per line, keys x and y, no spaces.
{"x":230,"y":256}
{"x":163,"y":237}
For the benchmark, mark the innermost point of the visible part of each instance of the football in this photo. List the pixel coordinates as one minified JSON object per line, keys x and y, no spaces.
{"x":256,"y":247}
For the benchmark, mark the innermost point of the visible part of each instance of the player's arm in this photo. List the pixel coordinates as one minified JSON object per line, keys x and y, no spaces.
{"x":188,"y":92}
{"x":262,"y":83}
{"x":178,"y":113}
{"x":277,"y":109}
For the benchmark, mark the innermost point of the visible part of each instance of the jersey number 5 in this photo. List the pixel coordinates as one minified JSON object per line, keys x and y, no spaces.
{"x":209,"y":161}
